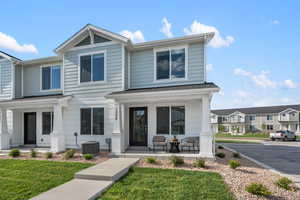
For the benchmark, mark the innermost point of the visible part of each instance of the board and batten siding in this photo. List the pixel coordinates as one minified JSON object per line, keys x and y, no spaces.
{"x":142,"y":68}
{"x":6,"y":79}
{"x":32,"y":80}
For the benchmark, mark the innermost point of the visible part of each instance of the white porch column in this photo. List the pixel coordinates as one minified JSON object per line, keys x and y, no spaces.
{"x":206,"y":136}
{"x":118,"y":137}
{"x":4,"y":135}
{"x":57,"y":136}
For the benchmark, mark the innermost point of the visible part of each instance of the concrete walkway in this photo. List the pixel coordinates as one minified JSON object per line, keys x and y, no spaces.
{"x":91,"y":182}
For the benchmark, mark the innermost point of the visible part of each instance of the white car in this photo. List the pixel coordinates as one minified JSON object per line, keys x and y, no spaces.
{"x":283,"y":135}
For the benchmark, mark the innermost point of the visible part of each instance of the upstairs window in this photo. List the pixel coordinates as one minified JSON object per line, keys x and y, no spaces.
{"x":171,"y":64}
{"x":252,"y":117}
{"x":269,"y":117}
{"x":51,"y":77}
{"x":92,"y":67}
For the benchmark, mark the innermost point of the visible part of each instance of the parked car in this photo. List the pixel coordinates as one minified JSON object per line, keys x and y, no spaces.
{"x":283,"y":135}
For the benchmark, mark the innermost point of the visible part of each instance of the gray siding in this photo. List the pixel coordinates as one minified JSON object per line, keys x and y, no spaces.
{"x":32,"y":81}
{"x":6,"y":70}
{"x":142,"y":68}
{"x":126,"y":69}
{"x":18,"y":81}
{"x":113,"y":72}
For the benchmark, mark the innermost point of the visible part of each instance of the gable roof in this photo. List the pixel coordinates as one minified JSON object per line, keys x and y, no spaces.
{"x":8,"y":56}
{"x":257,"y":110}
{"x":90,"y":27}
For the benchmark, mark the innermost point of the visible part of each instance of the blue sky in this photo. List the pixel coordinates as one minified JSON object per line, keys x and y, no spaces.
{"x":254,"y":59}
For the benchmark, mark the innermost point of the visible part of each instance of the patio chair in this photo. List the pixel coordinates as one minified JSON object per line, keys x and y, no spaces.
{"x":159,"y":140}
{"x":190,"y":143}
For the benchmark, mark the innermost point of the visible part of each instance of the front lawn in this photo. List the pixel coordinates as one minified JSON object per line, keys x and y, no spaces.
{"x":154,"y":183}
{"x":236,"y":141}
{"x":246,"y":135}
{"x":23,"y":179}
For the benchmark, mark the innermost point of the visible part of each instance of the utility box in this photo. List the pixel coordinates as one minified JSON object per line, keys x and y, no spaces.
{"x":91,"y":147}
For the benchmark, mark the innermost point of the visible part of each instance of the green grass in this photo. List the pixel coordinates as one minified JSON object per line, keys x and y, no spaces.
{"x":236,"y":141}
{"x":163,"y":184}
{"x":246,"y":135}
{"x":23,"y":179}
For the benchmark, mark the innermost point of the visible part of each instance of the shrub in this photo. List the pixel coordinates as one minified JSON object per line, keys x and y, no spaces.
{"x":150,"y":160}
{"x":88,"y":156}
{"x":284,"y":183}
{"x":199,"y":163}
{"x":234,"y":164}
{"x":49,"y":155}
{"x":220,"y":155}
{"x":33,"y":153}
{"x":69,"y":154}
{"x":14,"y":153}
{"x":236,"y":155}
{"x":176,"y":160}
{"x":220,"y":147}
{"x":258,"y":189}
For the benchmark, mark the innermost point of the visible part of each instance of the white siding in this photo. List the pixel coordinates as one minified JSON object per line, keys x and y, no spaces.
{"x":6,"y":84}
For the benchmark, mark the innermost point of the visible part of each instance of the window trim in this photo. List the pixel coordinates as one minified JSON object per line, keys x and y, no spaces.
{"x":41,"y":77}
{"x":92,"y":121}
{"x":170,"y":79}
{"x":170,"y":118}
{"x":79,"y":67}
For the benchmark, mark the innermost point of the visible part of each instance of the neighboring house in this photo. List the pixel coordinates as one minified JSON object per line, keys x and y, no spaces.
{"x":257,"y":119}
{"x":101,"y":85}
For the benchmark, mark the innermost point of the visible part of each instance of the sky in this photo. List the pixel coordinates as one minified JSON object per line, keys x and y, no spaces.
{"x":254,"y":56}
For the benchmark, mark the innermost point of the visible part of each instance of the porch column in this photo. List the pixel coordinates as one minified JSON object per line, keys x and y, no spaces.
{"x":206,"y":136}
{"x":298,"y":128}
{"x":118,"y":138}
{"x":4,"y":135}
{"x":57,"y":136}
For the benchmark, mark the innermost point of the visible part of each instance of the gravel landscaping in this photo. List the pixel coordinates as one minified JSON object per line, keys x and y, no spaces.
{"x":237,"y":179}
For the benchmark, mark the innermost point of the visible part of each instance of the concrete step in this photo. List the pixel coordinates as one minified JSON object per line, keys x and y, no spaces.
{"x":110,"y":170}
{"x":76,"y":189}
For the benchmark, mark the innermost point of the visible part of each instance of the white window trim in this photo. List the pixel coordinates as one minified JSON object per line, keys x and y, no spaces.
{"x":170,"y":79}
{"x":92,"y":110}
{"x":41,"y":78}
{"x":51,"y":122}
{"x":170,"y":118}
{"x":79,"y":67}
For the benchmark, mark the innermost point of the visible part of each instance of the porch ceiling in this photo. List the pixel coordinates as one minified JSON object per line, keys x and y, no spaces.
{"x":35,"y":102}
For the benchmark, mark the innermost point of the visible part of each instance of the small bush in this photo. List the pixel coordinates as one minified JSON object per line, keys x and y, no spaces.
{"x":220,"y":155}
{"x":199,"y":163}
{"x":33,"y":153}
{"x":234,"y":164}
{"x":69,"y":154}
{"x":150,"y":160}
{"x":236,"y":155}
{"x":284,"y":183}
{"x":220,"y":147}
{"x":176,"y":160}
{"x":258,"y":189}
{"x":49,"y":155}
{"x":88,"y":156}
{"x":14,"y":153}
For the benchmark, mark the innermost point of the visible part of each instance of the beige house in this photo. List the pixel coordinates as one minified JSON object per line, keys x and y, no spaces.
{"x":256,"y":119}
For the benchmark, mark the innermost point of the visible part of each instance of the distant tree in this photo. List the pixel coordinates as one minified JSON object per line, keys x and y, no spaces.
{"x":264,"y":127}
{"x":221,"y":128}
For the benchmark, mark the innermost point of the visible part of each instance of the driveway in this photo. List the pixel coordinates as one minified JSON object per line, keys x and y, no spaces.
{"x":283,"y":157}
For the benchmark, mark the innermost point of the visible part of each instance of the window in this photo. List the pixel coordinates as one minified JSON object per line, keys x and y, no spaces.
{"x":92,"y":121}
{"x":47,"y":123}
{"x":170,"y":120}
{"x":269,"y":127}
{"x":92,"y":68}
{"x":170,"y":64}
{"x":252,"y":117}
{"x":51,"y":77}
{"x":269,"y":117}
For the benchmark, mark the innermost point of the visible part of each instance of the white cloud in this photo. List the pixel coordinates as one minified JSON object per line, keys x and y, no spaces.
{"x":136,"y":36}
{"x":243,"y":94}
{"x":8,"y":42}
{"x":217,"y":41}
{"x":275,"y":22}
{"x":261,"y":79}
{"x":166,"y":28}
{"x":289,"y":84}
{"x":209,"y":67}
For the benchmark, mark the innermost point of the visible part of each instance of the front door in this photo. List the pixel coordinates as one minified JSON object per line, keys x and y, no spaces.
{"x":138,"y":126}
{"x":30,"y":128}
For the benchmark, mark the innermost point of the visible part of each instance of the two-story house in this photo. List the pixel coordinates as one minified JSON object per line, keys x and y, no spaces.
{"x":256,"y":119}
{"x":100,"y":85}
